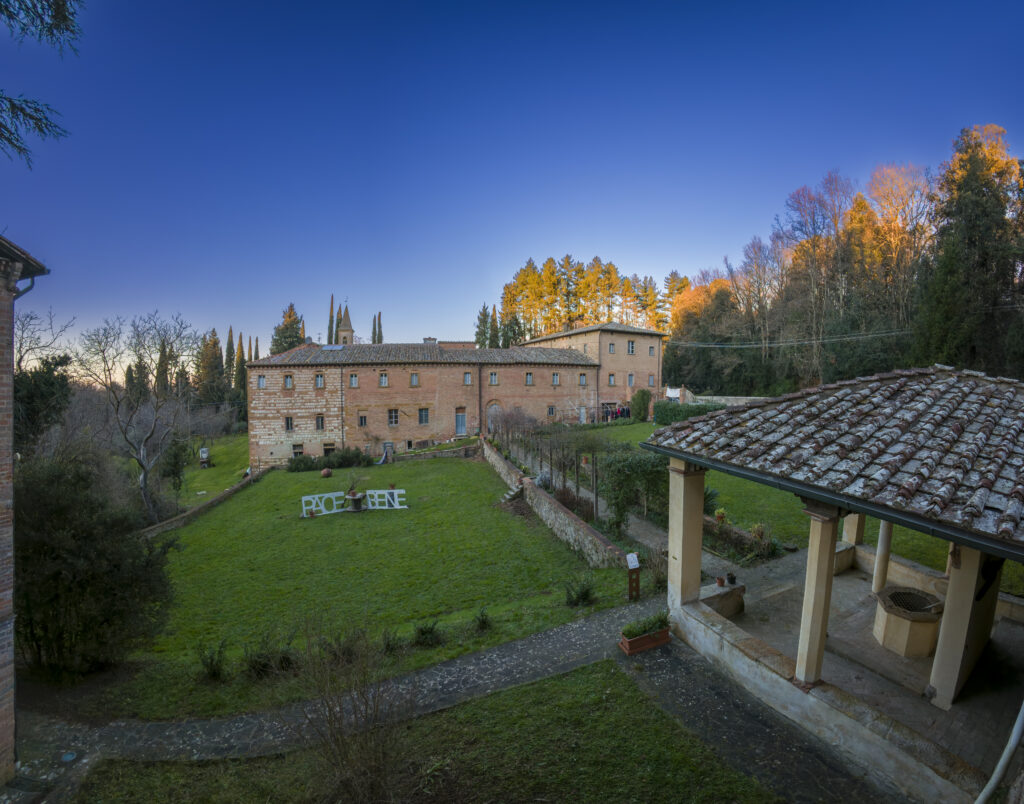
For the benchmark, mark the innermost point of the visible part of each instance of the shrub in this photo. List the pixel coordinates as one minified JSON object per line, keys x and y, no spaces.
{"x":343,"y":458}
{"x":343,"y":649}
{"x":710,"y":500}
{"x":213,"y":660}
{"x":270,"y":655}
{"x":647,"y":625}
{"x":301,"y":463}
{"x":390,"y":641}
{"x":482,"y":620}
{"x":580,"y":591}
{"x":667,"y":412}
{"x":428,"y":635}
{"x":88,"y":589}
{"x":656,"y":564}
{"x":639,"y":404}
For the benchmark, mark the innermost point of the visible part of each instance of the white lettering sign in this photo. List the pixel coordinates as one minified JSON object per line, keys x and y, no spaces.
{"x":338,"y":502}
{"x":632,"y":561}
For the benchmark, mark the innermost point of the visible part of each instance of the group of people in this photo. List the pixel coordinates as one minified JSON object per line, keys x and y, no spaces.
{"x":616,"y":413}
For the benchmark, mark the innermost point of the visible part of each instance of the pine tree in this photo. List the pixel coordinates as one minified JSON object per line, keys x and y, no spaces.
{"x":291,"y":332}
{"x":330,"y":323}
{"x":373,"y":337}
{"x":162,"y":376}
{"x":493,"y":334}
{"x":482,"y":323}
{"x":229,"y":358}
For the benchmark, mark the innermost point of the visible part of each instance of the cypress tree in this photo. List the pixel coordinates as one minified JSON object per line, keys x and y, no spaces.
{"x":256,"y":353}
{"x":250,"y":349}
{"x":302,"y":330}
{"x":373,"y":337}
{"x":380,"y":330}
{"x":162,"y":378}
{"x":482,"y":320}
{"x":330,"y":323}
{"x":239,"y":378}
{"x":210,"y":371}
{"x":229,"y":358}
{"x":493,"y":333}
{"x":337,"y":325}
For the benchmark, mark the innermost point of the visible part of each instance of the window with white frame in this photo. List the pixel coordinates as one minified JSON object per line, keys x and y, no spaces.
{"x":629,"y":380}
{"x":467,"y":378}
{"x":424,"y":415}
{"x":320,"y":421}
{"x":529,"y":378}
{"x":650,"y":351}
{"x":261,"y":381}
{"x":289,"y":425}
{"x":362,"y":418}
{"x":611,"y":348}
{"x":296,"y":450}
{"x":318,"y":381}
{"x":554,"y":378}
{"x":288,"y":381}
{"x":650,"y":380}
{"x":414,"y":379}
{"x":392,"y":417}
{"x":551,"y":410}
{"x":583,"y":378}
{"x":611,"y":379}
{"x":493,"y":378}
{"x":630,"y":347}
{"x":353,"y":380}
{"x":383,"y":379}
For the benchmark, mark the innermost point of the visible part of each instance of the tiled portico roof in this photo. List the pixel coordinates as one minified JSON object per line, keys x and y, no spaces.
{"x":936,"y":449}
{"x":372,"y":354}
{"x":610,"y":326}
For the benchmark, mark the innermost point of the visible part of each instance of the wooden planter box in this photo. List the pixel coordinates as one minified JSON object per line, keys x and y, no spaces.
{"x":644,"y":642}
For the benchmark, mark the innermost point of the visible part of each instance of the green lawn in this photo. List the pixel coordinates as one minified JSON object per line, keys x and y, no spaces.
{"x":748,"y":503}
{"x":589,"y":735}
{"x":252,"y":565}
{"x":230,"y":455}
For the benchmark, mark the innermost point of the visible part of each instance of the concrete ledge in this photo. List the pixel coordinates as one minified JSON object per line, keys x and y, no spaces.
{"x":726,"y":600}
{"x":872,"y":740}
{"x":845,"y":556}
{"x":193,"y":513}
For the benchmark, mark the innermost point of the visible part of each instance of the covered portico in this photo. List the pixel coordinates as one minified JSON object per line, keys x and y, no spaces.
{"x":936,"y":450}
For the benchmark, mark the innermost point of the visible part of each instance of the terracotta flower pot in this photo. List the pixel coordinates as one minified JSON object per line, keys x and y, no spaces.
{"x":326,"y":472}
{"x":644,"y":642}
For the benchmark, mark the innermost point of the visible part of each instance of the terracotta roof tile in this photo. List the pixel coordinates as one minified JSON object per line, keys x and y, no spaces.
{"x":314,"y":354}
{"x":942,"y":444}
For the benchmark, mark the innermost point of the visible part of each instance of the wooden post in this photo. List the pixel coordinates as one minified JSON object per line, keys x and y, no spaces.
{"x":821,"y":560}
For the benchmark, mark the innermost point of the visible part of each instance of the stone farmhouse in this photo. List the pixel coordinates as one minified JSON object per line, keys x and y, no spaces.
{"x":314,"y":399}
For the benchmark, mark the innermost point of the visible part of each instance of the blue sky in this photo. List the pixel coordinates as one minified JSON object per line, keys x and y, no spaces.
{"x":226,"y":158}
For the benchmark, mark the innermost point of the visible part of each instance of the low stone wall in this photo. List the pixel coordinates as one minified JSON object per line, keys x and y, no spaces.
{"x":873,"y":741}
{"x":462,"y":452}
{"x":192,"y":513}
{"x":598,"y":551}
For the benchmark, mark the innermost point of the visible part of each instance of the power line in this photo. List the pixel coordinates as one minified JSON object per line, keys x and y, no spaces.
{"x":776,"y":344}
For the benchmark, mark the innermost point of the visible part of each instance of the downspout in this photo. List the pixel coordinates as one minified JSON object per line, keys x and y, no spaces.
{"x":1004,"y":760}
{"x":480,"y":399}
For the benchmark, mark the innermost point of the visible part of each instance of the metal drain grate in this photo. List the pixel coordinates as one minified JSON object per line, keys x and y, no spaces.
{"x":911,"y":601}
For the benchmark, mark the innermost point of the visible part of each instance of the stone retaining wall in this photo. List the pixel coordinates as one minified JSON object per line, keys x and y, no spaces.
{"x":192,"y":513}
{"x":462,"y":452}
{"x":598,"y":551}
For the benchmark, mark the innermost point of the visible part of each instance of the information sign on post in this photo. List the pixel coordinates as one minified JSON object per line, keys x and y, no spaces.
{"x":633,"y":576}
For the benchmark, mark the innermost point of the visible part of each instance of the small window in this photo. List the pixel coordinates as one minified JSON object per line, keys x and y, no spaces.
{"x":424,"y":416}
{"x":353,"y":380}
{"x":630,"y":347}
{"x":362,"y":420}
{"x":414,"y":379}
{"x":629,"y":380}
{"x":529,"y":378}
{"x":650,"y":351}
{"x":328,"y":447}
{"x":288,"y":381}
{"x":296,"y":450}
{"x":650,"y":380}
{"x":551,"y":410}
{"x":467,"y":378}
{"x":493,"y":378}
{"x":583,"y":379}
{"x":392,"y":417}
{"x":320,"y":421}
{"x":288,"y":424}
{"x":319,"y":381}
{"x":383,"y":379}
{"x":408,"y":444}
{"x":584,"y":348}
{"x":611,"y":379}
{"x":611,"y":348}
{"x":261,"y":381}
{"x":554,"y":378}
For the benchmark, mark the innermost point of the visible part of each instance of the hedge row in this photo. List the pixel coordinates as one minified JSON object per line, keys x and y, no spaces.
{"x":666,"y":412}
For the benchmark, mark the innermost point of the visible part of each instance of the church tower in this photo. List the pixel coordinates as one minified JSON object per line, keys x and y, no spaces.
{"x":345,"y":333}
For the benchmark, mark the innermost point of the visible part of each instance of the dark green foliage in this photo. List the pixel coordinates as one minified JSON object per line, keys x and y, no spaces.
{"x":633,"y":478}
{"x":343,"y":649}
{"x":339,"y":459}
{"x":229,"y":358}
{"x":428,"y":635}
{"x":710,"y":500}
{"x":373,"y":336}
{"x":211,"y":387}
{"x":287,"y":334}
{"x":213,"y":660}
{"x":88,"y":588}
{"x":667,"y":412}
{"x":647,"y":625}
{"x":271,"y":655}
{"x":493,"y":332}
{"x":380,"y":329}
{"x":639,"y":405}
{"x":580,"y":591}
{"x":483,"y":320}
{"x":390,"y":641}
{"x":173,"y":462}
{"x":41,"y":395}
{"x":482,"y":620}
{"x":331,"y":323}
{"x":512,"y":331}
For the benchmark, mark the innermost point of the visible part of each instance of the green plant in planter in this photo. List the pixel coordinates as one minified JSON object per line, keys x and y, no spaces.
{"x":646,"y":625}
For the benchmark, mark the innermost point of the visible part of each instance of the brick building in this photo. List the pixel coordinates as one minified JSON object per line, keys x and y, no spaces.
{"x":314,"y":398}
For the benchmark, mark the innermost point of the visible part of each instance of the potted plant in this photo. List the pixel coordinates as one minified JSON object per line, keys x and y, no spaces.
{"x":354,"y":497}
{"x":644,"y":634}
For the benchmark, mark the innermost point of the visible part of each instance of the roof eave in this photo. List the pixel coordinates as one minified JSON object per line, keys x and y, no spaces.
{"x":990,"y":545}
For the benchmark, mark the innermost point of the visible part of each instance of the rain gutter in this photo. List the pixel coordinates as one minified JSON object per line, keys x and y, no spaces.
{"x":949,"y":533}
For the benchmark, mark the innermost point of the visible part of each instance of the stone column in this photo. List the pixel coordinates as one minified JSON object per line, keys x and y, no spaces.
{"x":853,"y":528}
{"x":685,"y":531}
{"x":967,"y":619}
{"x":881,"y":573}
{"x":821,"y":559}
{"x":9,"y":274}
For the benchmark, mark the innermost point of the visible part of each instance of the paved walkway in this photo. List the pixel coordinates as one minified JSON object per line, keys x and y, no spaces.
{"x":747,"y":734}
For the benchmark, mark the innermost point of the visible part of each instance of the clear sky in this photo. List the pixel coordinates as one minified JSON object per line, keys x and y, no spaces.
{"x":228,"y":157}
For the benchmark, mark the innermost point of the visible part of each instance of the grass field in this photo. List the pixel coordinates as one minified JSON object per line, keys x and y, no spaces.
{"x":252,"y":566}
{"x":230,"y":456}
{"x":589,"y":735}
{"x":748,"y":503}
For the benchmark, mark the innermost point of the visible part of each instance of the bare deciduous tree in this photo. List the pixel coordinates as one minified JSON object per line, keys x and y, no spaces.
{"x":36,"y":337}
